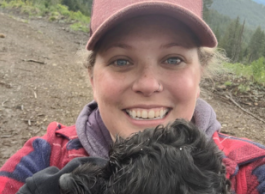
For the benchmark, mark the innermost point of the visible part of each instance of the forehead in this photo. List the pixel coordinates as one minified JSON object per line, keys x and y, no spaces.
{"x":147,"y":28}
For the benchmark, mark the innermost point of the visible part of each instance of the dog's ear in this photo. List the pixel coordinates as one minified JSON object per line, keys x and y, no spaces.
{"x":85,"y":179}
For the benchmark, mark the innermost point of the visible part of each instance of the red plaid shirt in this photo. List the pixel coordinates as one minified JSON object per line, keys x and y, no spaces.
{"x":244,"y":160}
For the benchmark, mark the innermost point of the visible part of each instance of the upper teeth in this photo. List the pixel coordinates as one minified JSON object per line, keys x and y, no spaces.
{"x":138,"y":113}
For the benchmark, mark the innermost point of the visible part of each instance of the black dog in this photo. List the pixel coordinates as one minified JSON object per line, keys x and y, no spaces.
{"x":177,"y":159}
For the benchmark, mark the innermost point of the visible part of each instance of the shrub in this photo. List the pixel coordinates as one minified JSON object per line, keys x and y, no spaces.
{"x":243,"y":88}
{"x":228,"y":83}
{"x":255,"y":71}
{"x":62,"y":9}
{"x":258,"y":69}
{"x":49,"y":8}
{"x":3,"y":4}
{"x":79,"y":27}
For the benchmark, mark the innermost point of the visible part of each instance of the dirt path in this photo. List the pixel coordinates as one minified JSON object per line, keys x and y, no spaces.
{"x":34,"y":94}
{"x":42,"y":80}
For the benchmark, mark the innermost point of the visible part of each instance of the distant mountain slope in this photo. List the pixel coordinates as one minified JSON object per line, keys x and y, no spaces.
{"x":252,"y":12}
{"x":260,"y":1}
{"x":220,"y":23}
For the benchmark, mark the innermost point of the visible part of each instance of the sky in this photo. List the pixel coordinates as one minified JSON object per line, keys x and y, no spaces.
{"x":260,"y":1}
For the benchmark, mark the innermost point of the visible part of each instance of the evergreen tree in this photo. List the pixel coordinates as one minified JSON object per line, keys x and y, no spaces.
{"x":231,"y":41}
{"x":256,"y":45}
{"x":262,"y":44}
{"x":206,"y":6}
{"x":238,"y":46}
{"x":217,"y":33}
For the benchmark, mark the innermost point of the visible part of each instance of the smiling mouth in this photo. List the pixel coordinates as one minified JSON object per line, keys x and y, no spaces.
{"x":147,"y":114}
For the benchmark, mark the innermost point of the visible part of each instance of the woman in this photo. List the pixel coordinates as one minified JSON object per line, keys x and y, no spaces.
{"x":145,"y":68}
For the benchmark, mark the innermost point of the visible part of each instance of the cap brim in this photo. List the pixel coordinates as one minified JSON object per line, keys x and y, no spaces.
{"x":200,"y":29}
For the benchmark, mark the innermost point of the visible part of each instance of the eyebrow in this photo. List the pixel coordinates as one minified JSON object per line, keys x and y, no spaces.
{"x":126,"y":46}
{"x":172,"y":44}
{"x":118,"y":45}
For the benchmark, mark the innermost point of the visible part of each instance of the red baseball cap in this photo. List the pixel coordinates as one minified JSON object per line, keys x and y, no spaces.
{"x":108,"y":13}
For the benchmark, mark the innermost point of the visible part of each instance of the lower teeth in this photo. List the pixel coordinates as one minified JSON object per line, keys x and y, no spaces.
{"x":137,"y":118}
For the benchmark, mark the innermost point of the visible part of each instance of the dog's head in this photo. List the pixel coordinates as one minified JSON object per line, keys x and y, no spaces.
{"x":173,"y":159}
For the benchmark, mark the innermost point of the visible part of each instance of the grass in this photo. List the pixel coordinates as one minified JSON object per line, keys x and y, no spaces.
{"x":255,"y":72}
{"x":228,"y":83}
{"x":243,"y":88}
{"x":79,"y":27}
{"x":76,"y":20}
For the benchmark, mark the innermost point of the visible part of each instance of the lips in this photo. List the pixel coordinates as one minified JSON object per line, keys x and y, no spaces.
{"x":147,"y":114}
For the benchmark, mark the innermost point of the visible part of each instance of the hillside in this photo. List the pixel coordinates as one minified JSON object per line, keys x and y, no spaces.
{"x":252,"y":12}
{"x":42,"y":80}
{"x":220,"y":22}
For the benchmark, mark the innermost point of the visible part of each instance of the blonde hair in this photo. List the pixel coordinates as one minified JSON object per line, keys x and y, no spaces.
{"x":211,"y":60}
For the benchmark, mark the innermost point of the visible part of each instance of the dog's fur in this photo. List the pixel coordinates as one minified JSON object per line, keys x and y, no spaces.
{"x":175,"y":159}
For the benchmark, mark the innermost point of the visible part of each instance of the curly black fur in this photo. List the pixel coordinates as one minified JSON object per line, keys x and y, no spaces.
{"x":173,"y":159}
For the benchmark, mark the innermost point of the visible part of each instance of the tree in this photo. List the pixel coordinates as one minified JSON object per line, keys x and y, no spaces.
{"x":263,"y":49}
{"x":206,"y":5}
{"x":256,"y":45}
{"x":231,"y":41}
{"x":217,"y":33}
{"x":79,"y":5}
{"x":238,"y":45}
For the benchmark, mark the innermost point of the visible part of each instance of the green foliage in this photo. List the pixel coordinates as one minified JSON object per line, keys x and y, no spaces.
{"x":206,"y":5}
{"x":243,"y":88}
{"x":79,"y":16}
{"x":84,"y":6}
{"x":12,"y":4}
{"x":238,"y":36}
{"x":256,"y":45}
{"x":54,"y":16}
{"x":254,"y":72}
{"x":231,"y":34}
{"x":248,"y":10}
{"x":24,"y":6}
{"x":63,"y":10}
{"x":79,"y":27}
{"x":258,"y":69}
{"x":4,"y":4}
{"x":228,"y":83}
{"x":30,"y":10}
{"x":52,"y":10}
{"x":230,"y":38}
{"x":239,"y":69}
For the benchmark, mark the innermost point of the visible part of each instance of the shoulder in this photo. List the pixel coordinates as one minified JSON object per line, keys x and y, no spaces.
{"x":244,"y":161}
{"x":56,"y":148}
{"x":65,"y":144}
{"x":56,"y":128}
{"x":239,"y":149}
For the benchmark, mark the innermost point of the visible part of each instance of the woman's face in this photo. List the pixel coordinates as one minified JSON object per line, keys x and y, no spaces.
{"x":146,"y":73}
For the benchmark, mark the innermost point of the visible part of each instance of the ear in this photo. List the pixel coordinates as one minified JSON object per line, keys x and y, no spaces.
{"x":91,"y":79}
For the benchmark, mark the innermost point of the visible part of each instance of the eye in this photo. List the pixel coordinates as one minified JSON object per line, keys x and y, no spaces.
{"x":173,"y":61}
{"x":120,"y":62}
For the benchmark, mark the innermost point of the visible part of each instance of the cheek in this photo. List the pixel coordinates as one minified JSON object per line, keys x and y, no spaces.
{"x":107,"y":87}
{"x":184,"y":91}
{"x":185,"y":85}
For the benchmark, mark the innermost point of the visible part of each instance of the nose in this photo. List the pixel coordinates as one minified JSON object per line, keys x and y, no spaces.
{"x":147,"y":83}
